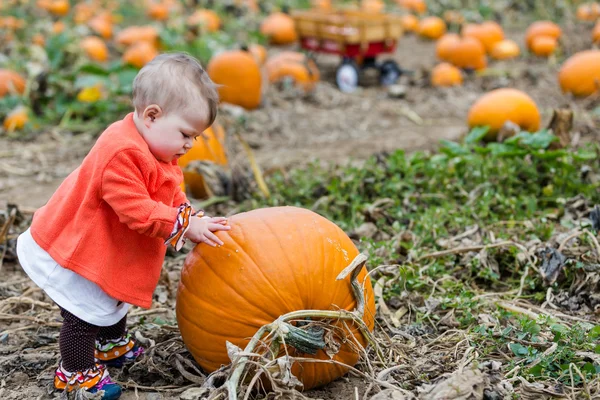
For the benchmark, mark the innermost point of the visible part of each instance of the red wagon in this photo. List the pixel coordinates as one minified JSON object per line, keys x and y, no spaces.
{"x":358,"y":37}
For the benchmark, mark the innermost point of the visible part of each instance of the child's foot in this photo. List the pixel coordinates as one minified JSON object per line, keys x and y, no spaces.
{"x":117,"y":352}
{"x":92,"y":380}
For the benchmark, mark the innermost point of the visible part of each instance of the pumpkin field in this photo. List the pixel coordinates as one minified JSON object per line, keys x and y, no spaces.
{"x":413,"y":188}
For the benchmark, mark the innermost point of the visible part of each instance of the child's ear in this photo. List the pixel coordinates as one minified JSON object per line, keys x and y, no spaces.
{"x":151,"y":112}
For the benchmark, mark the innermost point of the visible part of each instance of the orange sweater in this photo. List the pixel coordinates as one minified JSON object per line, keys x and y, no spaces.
{"x":110,"y":217}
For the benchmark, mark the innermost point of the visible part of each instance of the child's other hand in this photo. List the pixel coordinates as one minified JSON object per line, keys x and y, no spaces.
{"x":201,"y":230}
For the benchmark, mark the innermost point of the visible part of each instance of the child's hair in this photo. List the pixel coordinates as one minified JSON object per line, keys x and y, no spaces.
{"x":175,"y":81}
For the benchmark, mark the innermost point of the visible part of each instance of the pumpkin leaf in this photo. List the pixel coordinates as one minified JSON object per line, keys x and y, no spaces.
{"x":477,"y":134}
{"x":452,"y":148}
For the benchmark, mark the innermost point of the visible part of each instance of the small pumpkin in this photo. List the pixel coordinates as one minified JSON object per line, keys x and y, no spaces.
{"x":11,"y":23}
{"x":446,"y":74}
{"x":83,"y":12}
{"x":432,"y":28}
{"x":444,"y":47}
{"x":58,"y":27}
{"x":274,"y":261}
{"x":580,"y":74}
{"x":469,"y":53}
{"x":59,"y":7}
{"x":321,"y":5}
{"x":410,"y":23}
{"x":488,"y":33}
{"x":240,"y":78}
{"x":11,"y":83}
{"x":259,"y":52}
{"x":588,"y":12}
{"x":498,"y":106}
{"x":505,"y":49}
{"x":95,"y":48}
{"x":135,"y":34}
{"x":416,"y":6}
{"x":206,"y":20}
{"x":140,"y":54}
{"x":454,"y":17}
{"x":38,"y":39}
{"x":210,"y":146}
{"x":295,"y":65}
{"x":279,"y":28}
{"x":16,"y":119}
{"x":158,"y":11}
{"x":596,"y":33}
{"x":543,"y":46}
{"x":102,"y":25}
{"x":372,"y":6}
{"x":90,"y":94}
{"x":542,"y":28}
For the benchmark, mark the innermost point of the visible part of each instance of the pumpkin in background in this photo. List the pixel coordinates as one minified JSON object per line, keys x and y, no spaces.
{"x":444,"y":47}
{"x":59,"y":7}
{"x":38,"y":39}
{"x":295,"y":65}
{"x":446,"y":74}
{"x":140,"y":54}
{"x":58,"y":27}
{"x":432,"y":28}
{"x":588,"y":12}
{"x":259,"y":53}
{"x":454,"y":17}
{"x":498,"y":106}
{"x":240,"y":76}
{"x":469,"y":54}
{"x":102,"y":24}
{"x":596,"y":33}
{"x":279,"y":28}
{"x":16,"y":119}
{"x":543,"y":46}
{"x":580,"y":74}
{"x":95,"y":48}
{"x":409,"y":22}
{"x":11,"y":82}
{"x":158,"y":11}
{"x":488,"y":33}
{"x":273,"y":261}
{"x":210,"y":146}
{"x":372,"y":6}
{"x":206,"y":20}
{"x":322,"y":5}
{"x":542,"y":28}
{"x":505,"y":49}
{"x":416,"y":6}
{"x":136,"y":34}
{"x":83,"y":12}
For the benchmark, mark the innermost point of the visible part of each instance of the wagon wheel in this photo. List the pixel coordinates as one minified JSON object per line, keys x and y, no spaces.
{"x":346,"y":76}
{"x":389,"y":72}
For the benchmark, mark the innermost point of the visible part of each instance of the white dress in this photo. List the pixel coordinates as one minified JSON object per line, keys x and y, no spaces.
{"x":74,"y":293}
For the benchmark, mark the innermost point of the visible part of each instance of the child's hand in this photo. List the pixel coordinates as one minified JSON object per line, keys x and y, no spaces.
{"x":201,"y":230}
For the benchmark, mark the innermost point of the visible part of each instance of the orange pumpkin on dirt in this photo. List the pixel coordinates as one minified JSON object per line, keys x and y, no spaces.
{"x":505,"y":49}
{"x":83,"y":12}
{"x":95,"y":48}
{"x":11,"y":23}
{"x":58,"y":27}
{"x":140,"y":54}
{"x":59,"y":7}
{"x":206,"y":20}
{"x":11,"y":83}
{"x":543,"y":46}
{"x":226,"y":294}
{"x":580,"y":74}
{"x":135,"y":34}
{"x":297,"y":66}
{"x":446,"y":74}
{"x":38,"y":39}
{"x":444,"y":47}
{"x":240,"y":78}
{"x":259,"y":52}
{"x":102,"y":25}
{"x":16,"y":119}
{"x":542,"y":28}
{"x":498,"y":106}
{"x":469,"y":54}
{"x":488,"y":33}
{"x":279,"y":28}
{"x":588,"y":12}
{"x":432,"y":28}
{"x":409,"y":22}
{"x":210,"y":146}
{"x":158,"y":11}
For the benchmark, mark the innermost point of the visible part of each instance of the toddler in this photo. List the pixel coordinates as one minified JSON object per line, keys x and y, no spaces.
{"x":98,"y":245}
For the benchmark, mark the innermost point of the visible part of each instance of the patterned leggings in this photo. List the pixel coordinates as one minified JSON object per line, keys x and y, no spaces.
{"x":77,"y":340}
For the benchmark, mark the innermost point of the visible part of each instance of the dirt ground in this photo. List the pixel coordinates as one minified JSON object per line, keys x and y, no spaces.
{"x":288,"y":131}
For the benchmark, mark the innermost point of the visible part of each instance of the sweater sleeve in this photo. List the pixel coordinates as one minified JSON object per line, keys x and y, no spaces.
{"x":124,"y":189}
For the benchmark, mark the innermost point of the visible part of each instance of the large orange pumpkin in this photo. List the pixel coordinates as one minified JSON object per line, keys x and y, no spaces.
{"x":95,"y":48}
{"x":488,"y":33}
{"x":432,"y":28}
{"x":446,"y":74}
{"x":542,"y":28}
{"x":469,"y":53}
{"x":444,"y":47}
{"x":11,"y":83}
{"x":239,"y":74}
{"x":280,"y":28}
{"x":297,"y":66}
{"x":210,"y":146}
{"x":140,"y":54}
{"x":580,"y":74}
{"x":543,"y":46}
{"x":505,"y":50}
{"x":497,"y":107}
{"x":206,"y":20}
{"x":274,"y":261}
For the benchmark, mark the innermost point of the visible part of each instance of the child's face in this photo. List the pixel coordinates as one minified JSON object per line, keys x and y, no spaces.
{"x":169,"y":136}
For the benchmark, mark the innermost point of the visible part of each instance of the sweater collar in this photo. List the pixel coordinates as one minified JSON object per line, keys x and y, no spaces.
{"x":138,"y":138}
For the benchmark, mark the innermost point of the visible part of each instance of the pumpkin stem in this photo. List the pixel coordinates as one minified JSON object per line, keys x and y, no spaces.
{"x":354,"y":269}
{"x":307,"y":341}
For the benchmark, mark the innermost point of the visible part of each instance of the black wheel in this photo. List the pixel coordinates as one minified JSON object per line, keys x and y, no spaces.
{"x":389,"y":72}
{"x":346,"y":76}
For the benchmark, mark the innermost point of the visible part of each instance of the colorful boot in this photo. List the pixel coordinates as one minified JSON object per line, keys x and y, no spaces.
{"x":93,"y":380}
{"x":117,"y":352}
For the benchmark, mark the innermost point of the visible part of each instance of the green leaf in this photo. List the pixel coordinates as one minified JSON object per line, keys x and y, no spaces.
{"x":536,"y":370}
{"x":94,"y":69}
{"x":477,"y":134}
{"x":518,"y":349}
{"x":452,"y":148}
{"x":594,"y":333}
